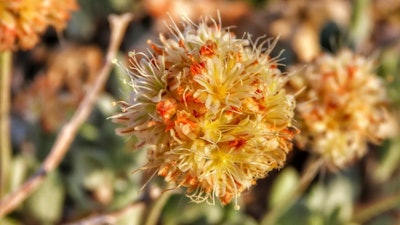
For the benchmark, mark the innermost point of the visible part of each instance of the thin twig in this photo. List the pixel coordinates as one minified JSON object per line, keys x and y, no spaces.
{"x":109,"y":218}
{"x":5,"y":146}
{"x":367,"y":212}
{"x":149,"y":208}
{"x":69,"y":130}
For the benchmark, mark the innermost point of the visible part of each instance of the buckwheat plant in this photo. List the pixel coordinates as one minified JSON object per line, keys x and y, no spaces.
{"x":210,"y":110}
{"x":343,"y":107}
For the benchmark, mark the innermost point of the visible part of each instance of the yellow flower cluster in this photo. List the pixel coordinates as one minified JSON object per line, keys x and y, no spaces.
{"x":22,"y":21}
{"x":342,"y":107}
{"x":210,"y":109}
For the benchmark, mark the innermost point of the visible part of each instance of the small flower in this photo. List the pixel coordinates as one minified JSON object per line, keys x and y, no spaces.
{"x":22,"y":21}
{"x":343,"y":107}
{"x":210,"y":110}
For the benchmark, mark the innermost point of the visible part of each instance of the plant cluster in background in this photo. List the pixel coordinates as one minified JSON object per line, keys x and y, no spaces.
{"x":23,"y":21}
{"x":208,"y":112}
{"x":342,"y":106}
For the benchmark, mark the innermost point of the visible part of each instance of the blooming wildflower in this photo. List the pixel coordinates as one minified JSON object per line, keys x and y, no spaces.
{"x":210,"y":110}
{"x":343,"y":107}
{"x":22,"y":21}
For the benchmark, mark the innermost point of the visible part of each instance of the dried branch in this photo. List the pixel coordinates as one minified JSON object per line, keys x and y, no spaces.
{"x":368,"y":211}
{"x":149,"y":208}
{"x":109,"y":218}
{"x":69,"y":130}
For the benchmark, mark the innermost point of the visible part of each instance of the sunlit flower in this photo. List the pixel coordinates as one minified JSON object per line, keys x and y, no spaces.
{"x":342,"y":108}
{"x":210,"y":110}
{"x":22,"y":21}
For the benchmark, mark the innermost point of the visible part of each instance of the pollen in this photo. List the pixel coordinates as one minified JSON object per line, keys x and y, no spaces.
{"x":166,"y":109}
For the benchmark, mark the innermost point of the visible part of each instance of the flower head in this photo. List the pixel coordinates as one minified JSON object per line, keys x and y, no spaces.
{"x":210,"y":109}
{"x":343,"y":107}
{"x":22,"y":21}
{"x":55,"y":93}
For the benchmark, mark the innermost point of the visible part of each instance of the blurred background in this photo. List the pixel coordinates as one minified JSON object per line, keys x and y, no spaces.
{"x":95,"y":179}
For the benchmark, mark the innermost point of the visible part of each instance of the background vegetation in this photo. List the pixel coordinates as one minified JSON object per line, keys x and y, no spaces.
{"x":94,"y":184}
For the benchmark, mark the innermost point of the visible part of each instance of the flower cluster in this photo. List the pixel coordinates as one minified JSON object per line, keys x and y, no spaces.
{"x":342,"y":107}
{"x":210,"y":109}
{"x":53,"y":94}
{"x":22,"y":21}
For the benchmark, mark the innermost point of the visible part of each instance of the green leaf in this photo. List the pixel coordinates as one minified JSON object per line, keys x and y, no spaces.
{"x":20,"y":168}
{"x":389,"y":162}
{"x":284,"y":185}
{"x":8,"y":221}
{"x":46,"y":203}
{"x":297,"y":214}
{"x":190,"y":212}
{"x":332,"y":202}
{"x":132,"y":216}
{"x":361,"y":21}
{"x":91,"y":169}
{"x":126,"y":190}
{"x":89,"y":132}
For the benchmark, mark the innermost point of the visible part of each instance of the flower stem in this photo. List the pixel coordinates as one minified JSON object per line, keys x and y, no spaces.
{"x":309,"y":173}
{"x":367,"y":212}
{"x":360,"y":22}
{"x":156,"y":207}
{"x":5,"y":146}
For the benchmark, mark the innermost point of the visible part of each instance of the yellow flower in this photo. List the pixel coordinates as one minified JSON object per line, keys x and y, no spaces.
{"x":210,"y":109}
{"x":343,"y":107}
{"x":22,"y":21}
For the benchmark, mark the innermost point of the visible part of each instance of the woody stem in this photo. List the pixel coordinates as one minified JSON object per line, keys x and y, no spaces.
{"x":5,"y":99}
